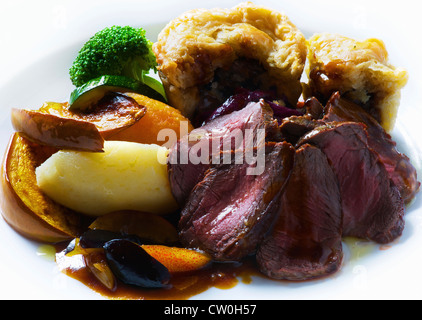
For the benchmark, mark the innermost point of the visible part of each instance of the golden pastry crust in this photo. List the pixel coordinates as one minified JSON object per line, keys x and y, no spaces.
{"x":359,"y":70}
{"x":193,"y":46}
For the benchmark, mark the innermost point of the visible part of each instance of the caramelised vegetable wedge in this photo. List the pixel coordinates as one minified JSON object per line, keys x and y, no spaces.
{"x":55,"y":125}
{"x":134,"y":266}
{"x":88,"y":95}
{"x":147,"y":226}
{"x":147,"y":266}
{"x":52,"y":130}
{"x":24,"y":206}
{"x":98,"y":266}
{"x":175,"y":259}
{"x":159,"y":118}
{"x":136,"y":248}
{"x":178,"y":259}
{"x":113,"y":113}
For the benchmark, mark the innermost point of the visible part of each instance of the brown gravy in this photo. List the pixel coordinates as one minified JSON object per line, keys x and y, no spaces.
{"x":182,"y":286}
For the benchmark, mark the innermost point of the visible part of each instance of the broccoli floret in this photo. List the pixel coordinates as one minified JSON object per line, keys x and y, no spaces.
{"x":123,"y":51}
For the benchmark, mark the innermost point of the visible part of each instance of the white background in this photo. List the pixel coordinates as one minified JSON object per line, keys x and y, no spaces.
{"x":33,"y":34}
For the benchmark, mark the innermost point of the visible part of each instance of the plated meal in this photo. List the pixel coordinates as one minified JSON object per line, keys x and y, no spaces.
{"x":231,"y":147}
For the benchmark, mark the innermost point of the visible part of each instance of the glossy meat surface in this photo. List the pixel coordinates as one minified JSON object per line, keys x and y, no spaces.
{"x":229,"y":212}
{"x":306,"y":240}
{"x":372,"y":206}
{"x":398,"y":165}
{"x":191,"y":156}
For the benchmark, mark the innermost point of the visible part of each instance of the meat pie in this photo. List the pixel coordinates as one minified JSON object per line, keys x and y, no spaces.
{"x":205,"y":55}
{"x":360,"y":71}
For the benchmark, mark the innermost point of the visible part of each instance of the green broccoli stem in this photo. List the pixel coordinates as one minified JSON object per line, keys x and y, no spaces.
{"x":134,"y":69}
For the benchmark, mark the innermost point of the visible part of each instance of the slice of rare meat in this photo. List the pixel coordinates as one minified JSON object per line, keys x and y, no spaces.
{"x":192,"y":155}
{"x":230,"y":211}
{"x":293,"y":128}
{"x":398,"y":165}
{"x":372,"y":206}
{"x":306,"y":241}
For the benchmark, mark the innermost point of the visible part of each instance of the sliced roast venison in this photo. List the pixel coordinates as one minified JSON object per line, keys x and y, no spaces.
{"x":314,"y":108}
{"x":372,"y":206}
{"x":230,"y":211}
{"x":191,"y":156}
{"x":294,"y":128}
{"x":306,"y":241}
{"x":398,"y":165}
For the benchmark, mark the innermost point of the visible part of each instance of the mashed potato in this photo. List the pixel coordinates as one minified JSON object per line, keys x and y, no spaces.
{"x":127,"y":176}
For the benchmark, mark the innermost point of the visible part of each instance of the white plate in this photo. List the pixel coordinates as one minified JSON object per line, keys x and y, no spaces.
{"x":35,"y":59}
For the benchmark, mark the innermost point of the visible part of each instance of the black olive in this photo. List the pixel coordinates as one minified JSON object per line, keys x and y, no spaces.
{"x":134,"y":266}
{"x":98,"y":238}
